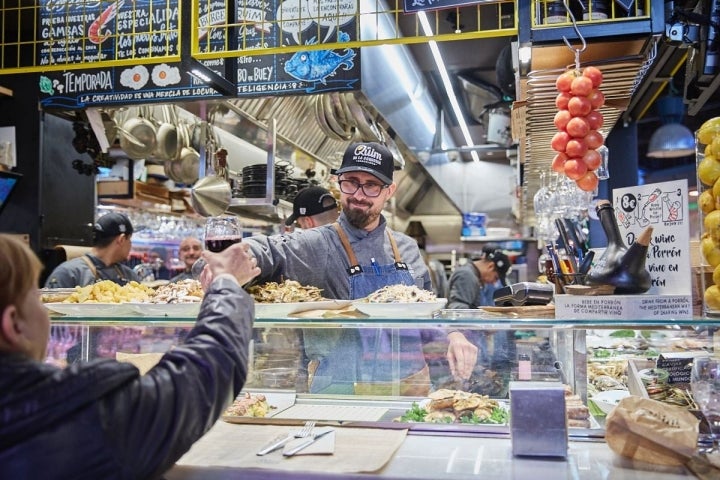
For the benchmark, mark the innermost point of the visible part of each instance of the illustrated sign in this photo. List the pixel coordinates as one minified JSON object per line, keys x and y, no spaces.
{"x":664,"y":207}
{"x":83,"y":32}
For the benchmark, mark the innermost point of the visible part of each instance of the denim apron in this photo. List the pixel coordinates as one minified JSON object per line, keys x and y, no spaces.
{"x":365,"y":357}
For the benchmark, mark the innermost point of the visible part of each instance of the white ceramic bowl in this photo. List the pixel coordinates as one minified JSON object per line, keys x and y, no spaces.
{"x":607,"y":400}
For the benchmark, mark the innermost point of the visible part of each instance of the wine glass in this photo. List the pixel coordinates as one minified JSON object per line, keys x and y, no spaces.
{"x":705,"y":386}
{"x":220,"y":233}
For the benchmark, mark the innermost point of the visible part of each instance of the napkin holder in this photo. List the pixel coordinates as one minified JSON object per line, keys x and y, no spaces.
{"x":538,"y":422}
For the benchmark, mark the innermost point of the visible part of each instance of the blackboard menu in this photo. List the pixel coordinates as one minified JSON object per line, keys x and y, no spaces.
{"x":90,"y":31}
{"x":122,"y":29}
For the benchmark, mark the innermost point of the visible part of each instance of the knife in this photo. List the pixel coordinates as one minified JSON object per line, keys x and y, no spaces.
{"x":308,"y":441}
{"x":275,"y":443}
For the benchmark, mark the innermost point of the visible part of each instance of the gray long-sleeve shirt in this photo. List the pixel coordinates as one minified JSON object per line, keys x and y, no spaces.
{"x":316,"y":256}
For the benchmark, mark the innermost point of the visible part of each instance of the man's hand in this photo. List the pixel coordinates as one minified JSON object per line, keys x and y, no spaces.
{"x":235,"y":260}
{"x":461,"y":355}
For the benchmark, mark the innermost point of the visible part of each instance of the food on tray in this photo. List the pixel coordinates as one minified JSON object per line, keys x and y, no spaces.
{"x":55,"y":295}
{"x":249,"y":405}
{"x":578,"y":414}
{"x":184,"y":291}
{"x":288,"y":291}
{"x":456,"y":406}
{"x":107,"y":291}
{"x":401,"y":294}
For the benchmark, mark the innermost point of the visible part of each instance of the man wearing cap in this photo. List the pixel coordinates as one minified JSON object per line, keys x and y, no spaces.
{"x":312,"y":207}
{"x":350,"y":259}
{"x":472,"y":285}
{"x":111,"y":245}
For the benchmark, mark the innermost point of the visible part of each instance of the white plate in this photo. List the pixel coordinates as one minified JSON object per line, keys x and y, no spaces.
{"x":281,"y":310}
{"x":400,"y":310}
{"x":167,"y":309}
{"x":608,"y":399}
{"x":91,"y":309}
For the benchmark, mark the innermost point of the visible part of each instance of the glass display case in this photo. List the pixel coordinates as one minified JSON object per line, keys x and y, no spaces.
{"x":297,"y":360}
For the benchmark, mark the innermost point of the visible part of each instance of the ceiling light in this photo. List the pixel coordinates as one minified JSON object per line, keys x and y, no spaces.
{"x":447,"y":84}
{"x":672,"y":139}
{"x":209,"y":77}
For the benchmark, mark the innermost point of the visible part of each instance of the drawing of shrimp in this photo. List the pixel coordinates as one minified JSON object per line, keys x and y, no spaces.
{"x":95,"y":31}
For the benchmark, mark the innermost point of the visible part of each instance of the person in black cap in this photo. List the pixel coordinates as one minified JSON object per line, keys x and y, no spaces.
{"x":111,"y":245}
{"x":472,"y":285}
{"x":350,"y":259}
{"x":312,"y":207}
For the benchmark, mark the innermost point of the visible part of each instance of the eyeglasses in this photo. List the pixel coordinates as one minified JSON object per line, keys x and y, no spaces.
{"x":369,"y":189}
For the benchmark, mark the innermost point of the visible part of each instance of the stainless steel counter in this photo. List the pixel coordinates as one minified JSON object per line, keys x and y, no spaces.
{"x":215,"y":456}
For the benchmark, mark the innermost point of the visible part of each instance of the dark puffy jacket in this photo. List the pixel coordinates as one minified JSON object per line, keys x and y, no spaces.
{"x":102,"y":420}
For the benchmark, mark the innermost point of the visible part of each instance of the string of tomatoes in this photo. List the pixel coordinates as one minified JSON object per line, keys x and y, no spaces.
{"x":578,"y":121}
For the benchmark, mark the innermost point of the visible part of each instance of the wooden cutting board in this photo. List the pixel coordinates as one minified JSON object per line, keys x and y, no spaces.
{"x":530,"y":311}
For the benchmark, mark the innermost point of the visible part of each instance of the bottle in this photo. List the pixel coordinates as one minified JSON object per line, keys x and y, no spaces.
{"x":619,"y":266}
{"x":615,"y":248}
{"x":524,"y":367}
{"x":630,"y":276}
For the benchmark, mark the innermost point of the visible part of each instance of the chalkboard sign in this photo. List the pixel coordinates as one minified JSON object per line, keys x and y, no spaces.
{"x":678,"y":365}
{"x":83,"y":32}
{"x":138,"y":29}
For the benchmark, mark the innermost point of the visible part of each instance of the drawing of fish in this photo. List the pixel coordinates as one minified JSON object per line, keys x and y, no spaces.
{"x":318,"y":65}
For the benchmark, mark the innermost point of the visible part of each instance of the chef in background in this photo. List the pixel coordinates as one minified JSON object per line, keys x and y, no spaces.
{"x":313,"y":207}
{"x":112,"y":241}
{"x":472,"y":285}
{"x":190,"y":250}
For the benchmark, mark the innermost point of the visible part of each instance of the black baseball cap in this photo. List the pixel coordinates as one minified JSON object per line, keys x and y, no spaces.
{"x":111,"y":225}
{"x":370,"y":157}
{"x":502,"y":263}
{"x":308,"y":202}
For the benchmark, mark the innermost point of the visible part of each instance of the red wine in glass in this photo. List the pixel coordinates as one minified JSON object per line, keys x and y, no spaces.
{"x":218,"y":244}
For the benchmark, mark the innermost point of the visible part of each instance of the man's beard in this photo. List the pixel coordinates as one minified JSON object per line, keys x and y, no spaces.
{"x":360,"y":218}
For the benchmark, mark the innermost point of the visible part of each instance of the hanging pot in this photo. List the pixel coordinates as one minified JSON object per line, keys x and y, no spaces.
{"x":189,"y":165}
{"x":138,"y":138}
{"x":211,"y":196}
{"x":168,"y":138}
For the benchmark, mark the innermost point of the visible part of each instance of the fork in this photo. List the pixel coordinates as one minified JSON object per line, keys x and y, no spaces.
{"x":281,"y":440}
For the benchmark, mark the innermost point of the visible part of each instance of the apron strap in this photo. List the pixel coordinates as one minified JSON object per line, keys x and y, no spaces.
{"x":91,"y":265}
{"x":94,"y":271}
{"x":354,"y":265}
{"x":399,"y":264}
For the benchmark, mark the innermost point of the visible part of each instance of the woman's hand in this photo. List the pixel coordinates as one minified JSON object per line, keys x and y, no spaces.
{"x":235,"y":260}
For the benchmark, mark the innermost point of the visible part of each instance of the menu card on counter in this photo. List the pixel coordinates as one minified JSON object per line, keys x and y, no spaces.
{"x":663,"y":206}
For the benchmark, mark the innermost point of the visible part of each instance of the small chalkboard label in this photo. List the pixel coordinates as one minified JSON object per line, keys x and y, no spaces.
{"x":678,"y":365}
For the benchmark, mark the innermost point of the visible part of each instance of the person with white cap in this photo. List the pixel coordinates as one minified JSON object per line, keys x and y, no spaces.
{"x":112,"y":241}
{"x":349,"y":259}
